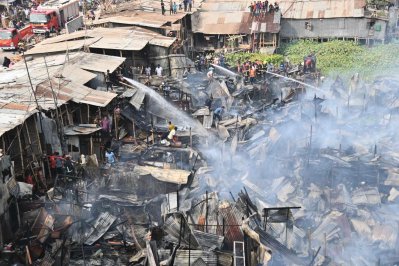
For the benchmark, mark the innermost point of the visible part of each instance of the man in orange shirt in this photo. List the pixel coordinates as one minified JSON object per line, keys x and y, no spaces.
{"x":252,"y":74}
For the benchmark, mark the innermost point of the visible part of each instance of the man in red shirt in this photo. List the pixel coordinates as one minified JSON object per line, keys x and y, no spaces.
{"x":52,"y":160}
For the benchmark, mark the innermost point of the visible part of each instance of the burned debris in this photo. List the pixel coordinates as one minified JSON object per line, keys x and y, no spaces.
{"x":129,"y":154}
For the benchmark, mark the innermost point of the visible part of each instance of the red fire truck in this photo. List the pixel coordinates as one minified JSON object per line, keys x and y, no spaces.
{"x":53,"y":15}
{"x":10,"y":38}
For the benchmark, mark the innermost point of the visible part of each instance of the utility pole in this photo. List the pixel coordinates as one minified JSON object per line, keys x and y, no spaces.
{"x":57,"y":119}
{"x":33,"y":92}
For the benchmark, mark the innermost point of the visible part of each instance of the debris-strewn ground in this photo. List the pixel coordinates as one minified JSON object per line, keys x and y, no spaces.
{"x":289,"y":176}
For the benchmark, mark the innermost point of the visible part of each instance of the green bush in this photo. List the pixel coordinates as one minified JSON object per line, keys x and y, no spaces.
{"x":335,"y":57}
{"x":232,"y":59}
{"x":345,"y":57}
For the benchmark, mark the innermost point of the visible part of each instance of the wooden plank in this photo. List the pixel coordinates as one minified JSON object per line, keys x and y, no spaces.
{"x":176,"y":176}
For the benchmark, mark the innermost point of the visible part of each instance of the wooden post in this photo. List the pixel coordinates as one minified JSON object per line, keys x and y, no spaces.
{"x":38,"y":136}
{"x":116,"y":126}
{"x":134,"y":131}
{"x":91,"y":144}
{"x":62,"y":118}
{"x":99,"y":113}
{"x":67,"y":115}
{"x":88,"y":114}
{"x":20,"y":149}
{"x":81,"y":117}
{"x":27,"y":133}
{"x":152,"y":129}
{"x":206,"y":213}
{"x":28,"y":257}
{"x":191,"y":139}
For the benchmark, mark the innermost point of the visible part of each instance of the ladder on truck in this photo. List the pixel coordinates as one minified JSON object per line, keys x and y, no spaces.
{"x":239,"y":254}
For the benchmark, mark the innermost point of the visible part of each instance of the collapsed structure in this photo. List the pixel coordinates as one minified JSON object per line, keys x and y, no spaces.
{"x":290,"y":175}
{"x":283,"y":179}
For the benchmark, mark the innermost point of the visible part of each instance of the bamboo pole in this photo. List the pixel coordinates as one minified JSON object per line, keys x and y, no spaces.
{"x":20,"y":150}
{"x":91,"y":144}
{"x":88,"y":114}
{"x":38,"y":136}
{"x":191,"y":139}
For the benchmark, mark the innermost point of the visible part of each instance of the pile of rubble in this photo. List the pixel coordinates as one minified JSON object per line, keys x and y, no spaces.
{"x":287,"y":177}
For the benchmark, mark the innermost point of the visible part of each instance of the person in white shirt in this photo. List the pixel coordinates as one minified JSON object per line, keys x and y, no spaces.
{"x":148,"y":71}
{"x":172,"y":133}
{"x":158,"y":70}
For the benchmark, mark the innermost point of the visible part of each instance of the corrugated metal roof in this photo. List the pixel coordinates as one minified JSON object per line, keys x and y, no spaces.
{"x":128,"y":39}
{"x":230,"y":23}
{"x":12,"y":116}
{"x":121,"y":42}
{"x":225,"y":6}
{"x":99,"y":63}
{"x":60,"y":46}
{"x":208,"y":240}
{"x":74,"y":72}
{"x":67,"y":37}
{"x":79,"y":130}
{"x":295,"y":9}
{"x":75,"y":92}
{"x":140,"y":18}
{"x":16,"y":99}
{"x":233,"y":218}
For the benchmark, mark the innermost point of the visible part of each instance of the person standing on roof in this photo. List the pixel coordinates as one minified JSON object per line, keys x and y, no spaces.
{"x":108,"y":80}
{"x":174,"y":8}
{"x":159,"y":70}
{"x":163,"y":7}
{"x":185,"y":5}
{"x":190,"y":5}
{"x":170,"y":7}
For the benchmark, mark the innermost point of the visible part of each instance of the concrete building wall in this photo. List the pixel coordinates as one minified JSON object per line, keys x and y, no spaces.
{"x":361,"y":28}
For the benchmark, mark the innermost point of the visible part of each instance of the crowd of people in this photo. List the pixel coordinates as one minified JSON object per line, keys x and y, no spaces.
{"x":259,"y":8}
{"x":187,"y":5}
{"x":203,"y":62}
{"x":16,"y":16}
{"x":250,"y":70}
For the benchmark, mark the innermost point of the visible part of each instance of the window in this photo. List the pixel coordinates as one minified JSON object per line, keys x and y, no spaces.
{"x":5,"y":35}
{"x":38,"y":18}
{"x":370,"y":24}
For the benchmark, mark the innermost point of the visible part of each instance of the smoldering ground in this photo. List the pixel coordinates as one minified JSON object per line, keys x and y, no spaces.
{"x":334,"y":153}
